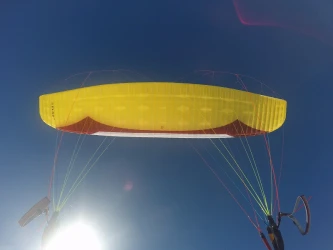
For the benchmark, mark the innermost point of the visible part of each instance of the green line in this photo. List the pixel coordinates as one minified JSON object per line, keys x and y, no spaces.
{"x":75,"y":185}
{"x":53,"y":181}
{"x":90,"y":159}
{"x":253,"y":192}
{"x":272,"y":183}
{"x":255,"y":170}
{"x":229,"y":177}
{"x":257,"y":198}
{"x":74,"y":156}
{"x":71,"y":164}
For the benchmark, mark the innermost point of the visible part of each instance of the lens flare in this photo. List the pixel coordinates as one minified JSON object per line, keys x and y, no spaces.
{"x":77,"y":236}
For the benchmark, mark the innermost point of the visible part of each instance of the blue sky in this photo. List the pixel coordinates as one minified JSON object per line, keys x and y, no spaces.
{"x":175,"y":201}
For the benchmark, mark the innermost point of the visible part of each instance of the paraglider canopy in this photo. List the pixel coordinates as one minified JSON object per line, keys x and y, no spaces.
{"x":162,"y":109}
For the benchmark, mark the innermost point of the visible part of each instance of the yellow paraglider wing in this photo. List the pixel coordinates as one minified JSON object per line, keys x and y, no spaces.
{"x":162,"y":109}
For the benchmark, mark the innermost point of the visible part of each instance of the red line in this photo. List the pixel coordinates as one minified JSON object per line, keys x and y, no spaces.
{"x":248,"y":194}
{"x":269,"y":154}
{"x":273,"y":171}
{"x":60,"y":141}
{"x":282,"y":156}
{"x":302,"y":205}
{"x":264,"y":240}
{"x":224,"y":185}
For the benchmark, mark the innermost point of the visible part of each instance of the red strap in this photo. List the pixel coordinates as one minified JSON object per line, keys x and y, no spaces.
{"x":263,"y":237}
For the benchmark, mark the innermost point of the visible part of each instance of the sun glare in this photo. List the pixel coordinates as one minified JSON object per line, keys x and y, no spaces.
{"x":77,"y":236}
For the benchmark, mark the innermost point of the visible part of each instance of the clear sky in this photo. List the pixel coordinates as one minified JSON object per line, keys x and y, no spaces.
{"x":175,"y":202}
